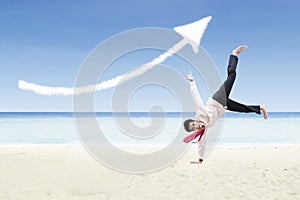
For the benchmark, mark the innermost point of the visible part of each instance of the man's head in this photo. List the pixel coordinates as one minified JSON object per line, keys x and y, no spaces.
{"x":191,"y":125}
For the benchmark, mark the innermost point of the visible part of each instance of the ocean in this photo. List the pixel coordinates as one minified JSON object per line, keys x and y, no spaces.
{"x":27,"y":128}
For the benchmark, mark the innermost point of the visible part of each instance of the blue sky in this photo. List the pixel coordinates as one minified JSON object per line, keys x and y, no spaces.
{"x":45,"y":42}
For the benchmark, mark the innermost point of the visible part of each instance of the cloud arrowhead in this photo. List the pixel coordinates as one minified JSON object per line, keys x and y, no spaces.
{"x":193,"y":32}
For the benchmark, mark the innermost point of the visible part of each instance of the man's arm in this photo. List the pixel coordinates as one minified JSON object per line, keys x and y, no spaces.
{"x":195,"y":93}
{"x":201,"y":149}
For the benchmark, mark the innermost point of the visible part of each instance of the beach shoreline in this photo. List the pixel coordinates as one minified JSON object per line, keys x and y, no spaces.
{"x":70,"y":172}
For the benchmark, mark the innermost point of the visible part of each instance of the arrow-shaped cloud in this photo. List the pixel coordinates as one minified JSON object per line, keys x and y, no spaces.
{"x":191,"y":33}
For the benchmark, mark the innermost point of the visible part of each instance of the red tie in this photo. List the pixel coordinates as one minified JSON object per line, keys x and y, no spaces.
{"x":191,"y":137}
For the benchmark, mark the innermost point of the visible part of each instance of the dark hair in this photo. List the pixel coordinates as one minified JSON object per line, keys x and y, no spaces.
{"x":186,"y":124}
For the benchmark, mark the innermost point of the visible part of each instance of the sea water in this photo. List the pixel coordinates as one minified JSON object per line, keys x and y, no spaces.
{"x":27,"y":128}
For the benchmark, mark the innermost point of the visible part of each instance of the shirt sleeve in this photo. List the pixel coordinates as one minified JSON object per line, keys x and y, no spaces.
{"x":196,"y":97}
{"x":201,"y":146}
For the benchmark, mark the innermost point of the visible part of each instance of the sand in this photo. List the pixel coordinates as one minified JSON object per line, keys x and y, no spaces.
{"x":69,"y":172}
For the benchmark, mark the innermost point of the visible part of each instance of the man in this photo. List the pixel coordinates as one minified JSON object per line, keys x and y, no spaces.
{"x":207,"y":115}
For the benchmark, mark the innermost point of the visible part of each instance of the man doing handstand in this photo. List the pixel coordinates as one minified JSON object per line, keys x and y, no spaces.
{"x":206,"y":115}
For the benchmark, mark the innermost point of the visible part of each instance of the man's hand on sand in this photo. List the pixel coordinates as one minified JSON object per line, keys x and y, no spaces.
{"x":196,"y":162}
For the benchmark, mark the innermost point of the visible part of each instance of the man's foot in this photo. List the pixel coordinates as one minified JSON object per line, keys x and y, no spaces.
{"x":264,"y":110}
{"x":239,"y":50}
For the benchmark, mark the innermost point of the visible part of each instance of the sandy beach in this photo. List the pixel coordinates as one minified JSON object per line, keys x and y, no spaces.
{"x":69,"y":172}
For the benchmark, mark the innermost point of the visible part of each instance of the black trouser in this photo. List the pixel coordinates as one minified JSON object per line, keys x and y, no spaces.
{"x":222,"y":95}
